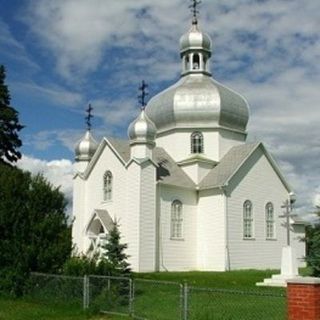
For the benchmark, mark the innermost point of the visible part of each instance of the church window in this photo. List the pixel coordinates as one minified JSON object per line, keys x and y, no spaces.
{"x":107,"y":186}
{"x":196,"y":61}
{"x":270,"y":223}
{"x":176,"y":219}
{"x":197,"y":142}
{"x":247,"y":220}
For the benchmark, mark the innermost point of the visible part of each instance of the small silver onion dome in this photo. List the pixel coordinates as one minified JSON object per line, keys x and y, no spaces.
{"x":142,"y":130}
{"x":195,"y":39}
{"x":86,"y":147}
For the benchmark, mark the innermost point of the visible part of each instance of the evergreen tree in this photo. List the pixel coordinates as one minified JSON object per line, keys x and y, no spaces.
{"x":313,"y":247}
{"x":9,"y":124}
{"x":34,"y":234}
{"x":114,"y":253}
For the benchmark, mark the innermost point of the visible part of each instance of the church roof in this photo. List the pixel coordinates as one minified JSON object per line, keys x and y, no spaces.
{"x":168,"y":172}
{"x":122,"y":147}
{"x":104,"y":218}
{"x":229,"y":165}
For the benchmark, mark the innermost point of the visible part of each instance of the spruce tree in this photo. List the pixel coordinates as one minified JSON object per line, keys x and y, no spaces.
{"x":313,"y":247}
{"x":9,"y":125}
{"x":114,"y":253}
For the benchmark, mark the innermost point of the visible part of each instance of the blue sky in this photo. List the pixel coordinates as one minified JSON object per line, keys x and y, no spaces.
{"x":60,"y":55}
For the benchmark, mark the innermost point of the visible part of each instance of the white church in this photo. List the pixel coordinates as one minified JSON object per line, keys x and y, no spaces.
{"x":187,"y":189}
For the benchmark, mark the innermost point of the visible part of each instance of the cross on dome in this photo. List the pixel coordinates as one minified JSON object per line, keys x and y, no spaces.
{"x":143,"y":95}
{"x":88,"y":117}
{"x":194,"y":9}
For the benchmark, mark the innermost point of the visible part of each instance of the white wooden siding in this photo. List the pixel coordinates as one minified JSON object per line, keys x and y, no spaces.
{"x":178,"y":255}
{"x":211,"y":231}
{"x":147,"y":218}
{"x":257,"y":182}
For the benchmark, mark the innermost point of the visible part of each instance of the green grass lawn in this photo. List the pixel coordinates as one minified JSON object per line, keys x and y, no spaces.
{"x":24,"y":309}
{"x":155,"y":300}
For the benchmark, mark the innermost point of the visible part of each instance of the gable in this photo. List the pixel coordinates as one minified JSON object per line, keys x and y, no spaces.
{"x":99,"y":218}
{"x":236,"y":159}
{"x":258,"y":174}
{"x":120,"y":150}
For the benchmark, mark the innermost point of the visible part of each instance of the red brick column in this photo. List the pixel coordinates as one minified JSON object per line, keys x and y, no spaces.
{"x":303,"y":298}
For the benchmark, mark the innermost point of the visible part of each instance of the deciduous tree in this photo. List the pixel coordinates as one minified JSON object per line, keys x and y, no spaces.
{"x":34,"y":233}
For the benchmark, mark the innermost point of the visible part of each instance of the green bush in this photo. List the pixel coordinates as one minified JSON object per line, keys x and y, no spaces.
{"x":83,"y":265}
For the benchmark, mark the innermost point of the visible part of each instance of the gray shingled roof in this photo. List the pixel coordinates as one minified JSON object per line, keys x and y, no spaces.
{"x":227,"y":167}
{"x":104,"y":217}
{"x":122,"y":147}
{"x":168,"y":171}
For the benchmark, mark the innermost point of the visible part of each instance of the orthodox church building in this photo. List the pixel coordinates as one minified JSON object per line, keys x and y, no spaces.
{"x":188,"y":191}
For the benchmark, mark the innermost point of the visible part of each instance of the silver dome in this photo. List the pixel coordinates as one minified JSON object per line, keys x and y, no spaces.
{"x":198,"y":101}
{"x":194,"y":39}
{"x":86,"y":147}
{"x":142,"y":130}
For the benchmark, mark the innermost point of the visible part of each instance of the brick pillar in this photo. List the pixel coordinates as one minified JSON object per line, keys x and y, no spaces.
{"x":303,"y":298}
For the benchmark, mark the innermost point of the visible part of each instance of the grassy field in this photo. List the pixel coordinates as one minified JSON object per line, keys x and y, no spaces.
{"x":238,"y":299}
{"x":24,"y":309}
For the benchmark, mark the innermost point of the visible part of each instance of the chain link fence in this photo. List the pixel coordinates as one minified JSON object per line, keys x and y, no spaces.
{"x":56,"y":289}
{"x":223,"y":304}
{"x":157,"y":300}
{"x":111,"y":295}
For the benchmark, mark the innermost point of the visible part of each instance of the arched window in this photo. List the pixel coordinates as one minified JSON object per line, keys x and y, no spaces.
{"x":197,"y":142}
{"x":247,"y":220}
{"x":196,"y":61}
{"x":176,"y":219}
{"x":107,"y":186}
{"x":270,"y":223}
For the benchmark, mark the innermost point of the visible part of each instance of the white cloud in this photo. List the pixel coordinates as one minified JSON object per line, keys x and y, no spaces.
{"x":58,"y":172}
{"x":12,"y":48}
{"x":267,"y":50}
{"x":56,"y":94}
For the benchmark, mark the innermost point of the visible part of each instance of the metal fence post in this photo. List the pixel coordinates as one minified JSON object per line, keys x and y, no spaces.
{"x":131,"y":288}
{"x":185,"y":301}
{"x":86,"y":285}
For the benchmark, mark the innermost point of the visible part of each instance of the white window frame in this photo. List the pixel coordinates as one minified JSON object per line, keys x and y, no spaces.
{"x":247,"y":220}
{"x":107,"y":186}
{"x":197,"y":142}
{"x":270,"y":221}
{"x":176,"y":220}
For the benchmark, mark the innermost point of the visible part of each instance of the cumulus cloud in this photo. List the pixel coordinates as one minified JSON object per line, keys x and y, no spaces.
{"x":267,"y":50}
{"x":58,"y":172}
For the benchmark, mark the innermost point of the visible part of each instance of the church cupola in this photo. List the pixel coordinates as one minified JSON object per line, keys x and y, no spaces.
{"x":86,"y":146}
{"x":195,"y":48}
{"x":142,"y":131}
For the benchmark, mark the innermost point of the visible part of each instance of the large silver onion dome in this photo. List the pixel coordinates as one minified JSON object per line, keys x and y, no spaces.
{"x":142,"y":130}
{"x":86,"y":147}
{"x":195,"y":39}
{"x":198,"y":101}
